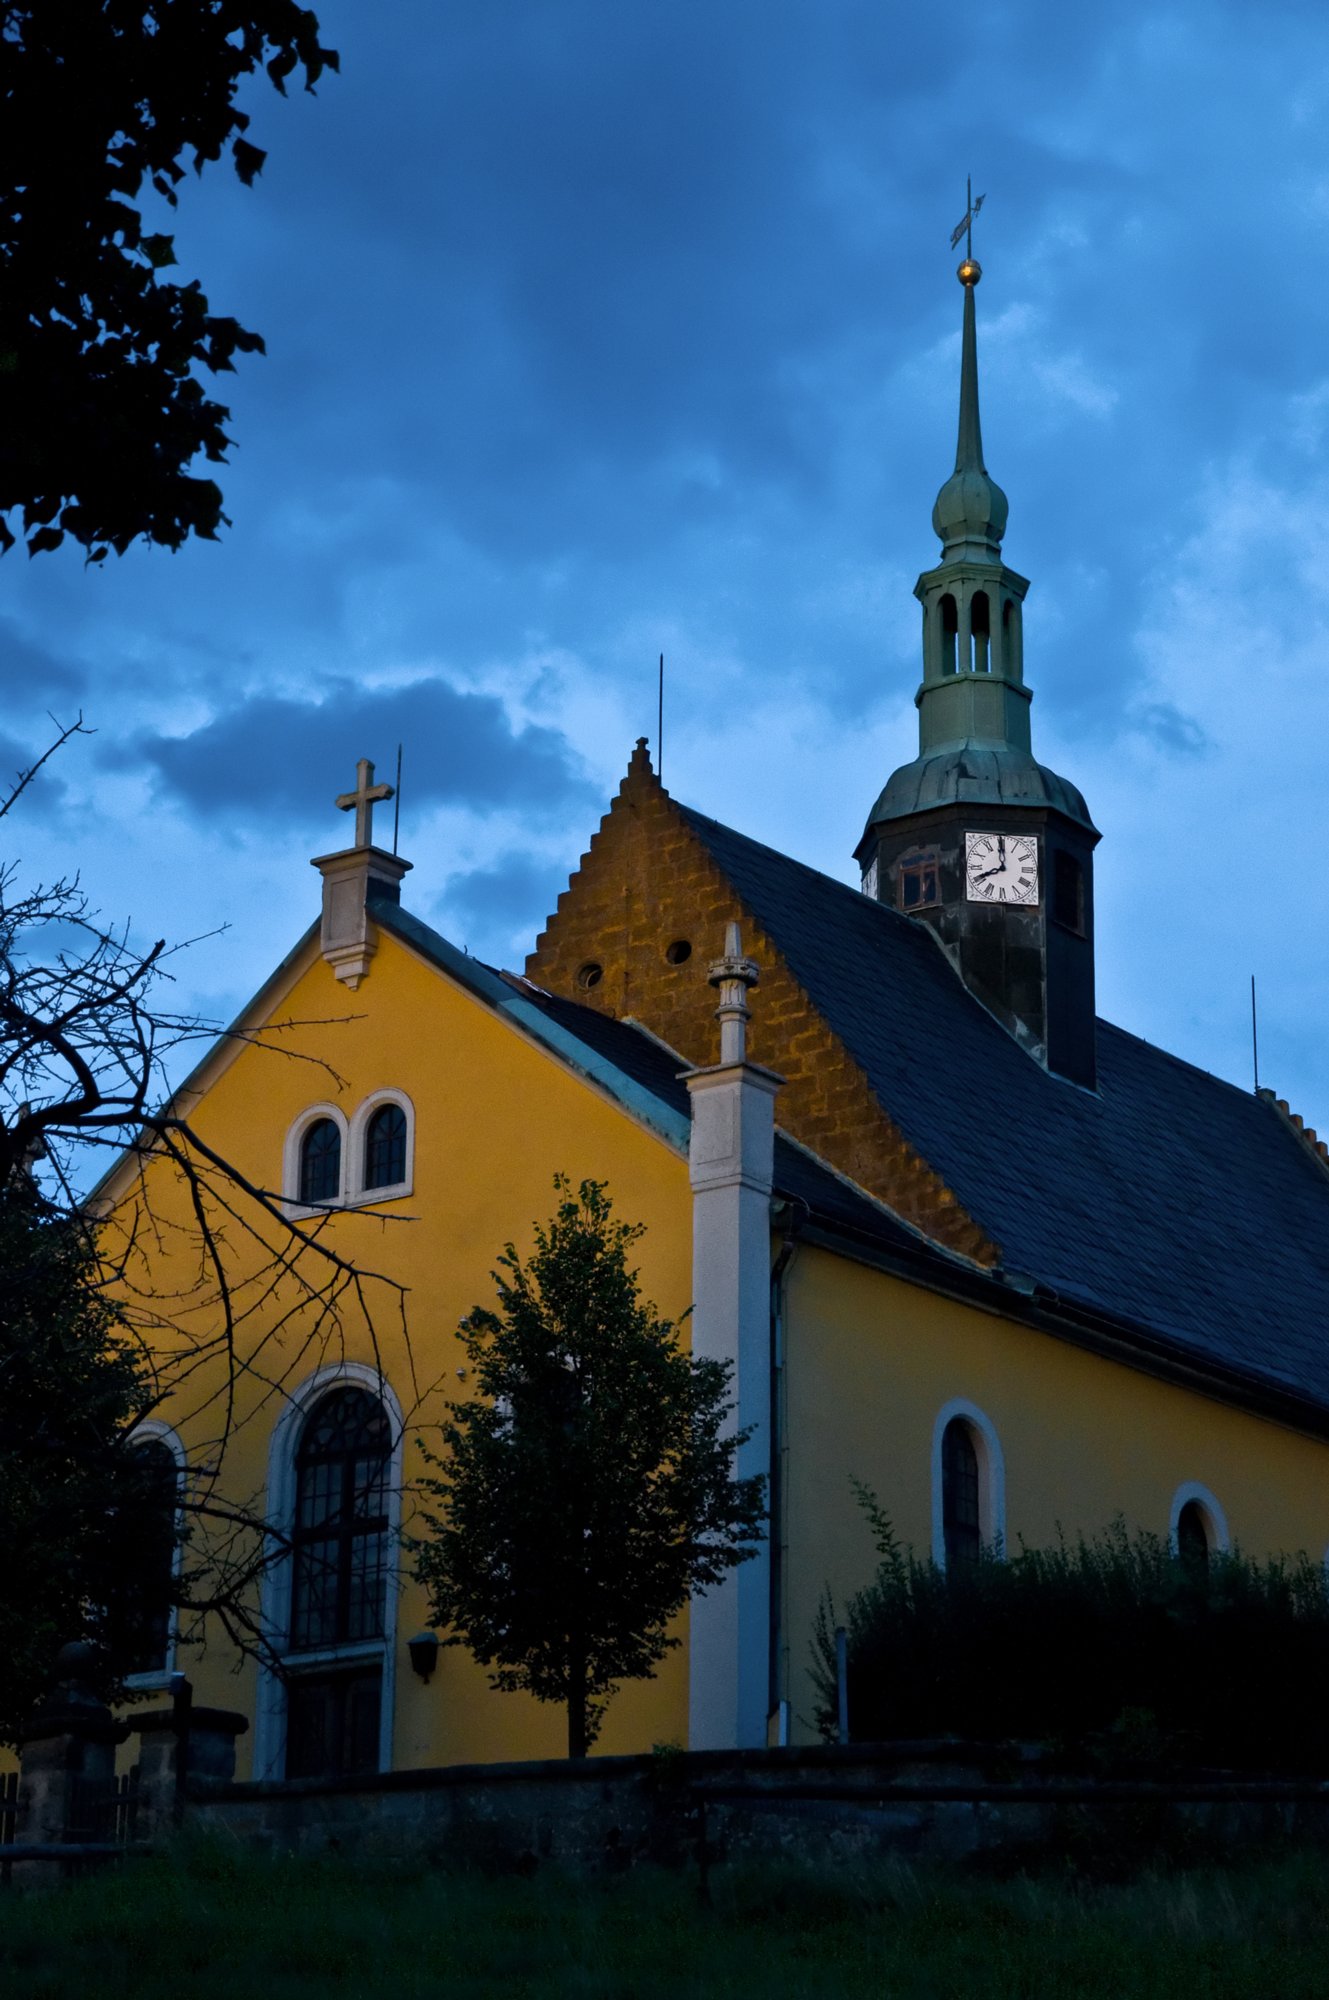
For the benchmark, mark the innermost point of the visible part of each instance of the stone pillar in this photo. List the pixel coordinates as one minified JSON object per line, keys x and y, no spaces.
{"x":348,"y":937}
{"x":181,"y":1748}
{"x":67,"y":1764}
{"x":731,"y":1159}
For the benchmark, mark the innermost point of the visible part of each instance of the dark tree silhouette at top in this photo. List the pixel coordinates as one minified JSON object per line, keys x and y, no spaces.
{"x":103,"y":105}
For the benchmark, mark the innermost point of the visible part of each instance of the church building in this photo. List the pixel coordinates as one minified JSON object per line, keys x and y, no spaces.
{"x":962,"y":1241}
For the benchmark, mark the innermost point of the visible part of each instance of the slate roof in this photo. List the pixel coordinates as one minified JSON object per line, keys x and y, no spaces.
{"x":1167,"y":1199}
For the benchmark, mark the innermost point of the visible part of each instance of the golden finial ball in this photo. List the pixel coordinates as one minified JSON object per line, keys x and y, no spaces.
{"x":969,"y":272}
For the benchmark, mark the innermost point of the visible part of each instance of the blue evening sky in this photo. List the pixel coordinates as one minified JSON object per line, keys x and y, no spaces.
{"x":595,"y":331}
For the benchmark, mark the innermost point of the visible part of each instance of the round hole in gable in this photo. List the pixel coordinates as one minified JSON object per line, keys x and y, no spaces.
{"x":679,"y":952}
{"x":589,"y":975}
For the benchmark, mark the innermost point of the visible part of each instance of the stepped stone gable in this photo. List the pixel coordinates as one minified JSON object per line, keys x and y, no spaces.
{"x":646,"y":883}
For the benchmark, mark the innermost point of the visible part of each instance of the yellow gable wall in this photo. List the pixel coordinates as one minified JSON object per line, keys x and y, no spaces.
{"x":871,"y":1360}
{"x":496,"y":1116}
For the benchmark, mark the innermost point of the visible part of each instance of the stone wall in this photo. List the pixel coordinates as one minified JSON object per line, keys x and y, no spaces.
{"x":940,"y":1802}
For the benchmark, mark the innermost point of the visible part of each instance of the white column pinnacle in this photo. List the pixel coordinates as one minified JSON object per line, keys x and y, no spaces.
{"x":733,"y":975}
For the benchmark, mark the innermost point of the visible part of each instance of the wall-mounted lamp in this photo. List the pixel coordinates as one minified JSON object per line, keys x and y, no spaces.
{"x":423,"y":1649}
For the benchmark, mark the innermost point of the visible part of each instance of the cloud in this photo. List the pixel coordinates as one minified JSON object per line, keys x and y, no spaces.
{"x":276,"y":755}
{"x":1171,"y":728}
{"x":497,"y":910}
{"x":32,"y":672}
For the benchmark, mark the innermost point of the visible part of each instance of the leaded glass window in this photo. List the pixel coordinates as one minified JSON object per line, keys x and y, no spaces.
{"x":320,"y":1162}
{"x":961,"y":1523}
{"x":332,"y":1723}
{"x":385,"y":1147}
{"x":341,"y":1522}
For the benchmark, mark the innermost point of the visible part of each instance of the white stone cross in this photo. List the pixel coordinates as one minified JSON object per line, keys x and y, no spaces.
{"x":363,"y":800}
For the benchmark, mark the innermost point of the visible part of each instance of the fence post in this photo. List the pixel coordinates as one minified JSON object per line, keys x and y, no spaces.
{"x":182,"y":1750}
{"x":842,"y":1683}
{"x":67,"y":1764}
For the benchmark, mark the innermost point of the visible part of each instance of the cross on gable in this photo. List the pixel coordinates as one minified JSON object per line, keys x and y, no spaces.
{"x":363,"y":800}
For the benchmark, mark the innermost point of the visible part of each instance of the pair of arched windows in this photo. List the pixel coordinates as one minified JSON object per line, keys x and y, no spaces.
{"x":330,"y":1160}
{"x":384,"y":1155}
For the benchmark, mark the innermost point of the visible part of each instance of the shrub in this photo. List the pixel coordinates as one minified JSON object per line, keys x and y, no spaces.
{"x":1108,"y":1647}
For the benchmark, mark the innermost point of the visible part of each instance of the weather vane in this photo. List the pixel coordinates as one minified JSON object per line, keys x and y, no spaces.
{"x":965,"y":227}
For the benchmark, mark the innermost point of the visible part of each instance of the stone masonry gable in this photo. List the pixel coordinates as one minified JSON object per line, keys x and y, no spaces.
{"x":646,"y":888}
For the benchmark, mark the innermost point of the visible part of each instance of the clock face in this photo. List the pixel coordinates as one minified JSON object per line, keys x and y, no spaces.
{"x":1001,"y":867}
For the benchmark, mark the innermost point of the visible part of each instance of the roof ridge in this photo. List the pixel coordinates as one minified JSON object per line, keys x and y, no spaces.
{"x":1170,"y":1055}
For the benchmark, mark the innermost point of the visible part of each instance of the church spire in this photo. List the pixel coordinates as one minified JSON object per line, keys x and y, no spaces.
{"x":970,"y":514}
{"x":974,"y":836}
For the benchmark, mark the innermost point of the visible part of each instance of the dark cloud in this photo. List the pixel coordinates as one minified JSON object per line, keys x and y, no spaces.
{"x":513,"y":897}
{"x":1172,"y":729}
{"x":33,"y":673}
{"x":277,"y":755}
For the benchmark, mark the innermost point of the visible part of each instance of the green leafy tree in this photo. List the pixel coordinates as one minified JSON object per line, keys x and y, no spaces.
{"x":79,"y":1505}
{"x":105,"y":104}
{"x":587,"y":1487}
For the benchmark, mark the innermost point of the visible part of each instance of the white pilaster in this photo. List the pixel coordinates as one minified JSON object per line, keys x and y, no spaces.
{"x":731,"y":1158}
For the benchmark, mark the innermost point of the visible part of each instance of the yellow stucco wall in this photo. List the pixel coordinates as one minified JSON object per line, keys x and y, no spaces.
{"x":496,"y":1116}
{"x":870,"y":1361}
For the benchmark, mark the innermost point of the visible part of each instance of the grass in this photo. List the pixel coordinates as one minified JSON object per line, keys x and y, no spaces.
{"x":213,"y":1924}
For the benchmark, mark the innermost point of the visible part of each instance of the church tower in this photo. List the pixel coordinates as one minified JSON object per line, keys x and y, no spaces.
{"x":974,"y":837}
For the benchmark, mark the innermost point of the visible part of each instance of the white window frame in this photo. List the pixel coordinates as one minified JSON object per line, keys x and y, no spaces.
{"x":153,"y":1431}
{"x":991,"y":1478}
{"x":353,"y":1160}
{"x":275,"y":1589}
{"x":290,"y":1168}
{"x":1215,"y":1520}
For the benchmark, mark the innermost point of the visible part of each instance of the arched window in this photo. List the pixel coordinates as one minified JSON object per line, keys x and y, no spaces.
{"x":980,"y":625}
{"x":385,"y":1147}
{"x":341,"y":1521}
{"x":950,"y":626}
{"x":1193,"y":1537}
{"x":961,"y":1516}
{"x":968,"y":1485}
{"x":1197,"y":1527}
{"x":320,"y":1162}
{"x":151,"y":1519}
